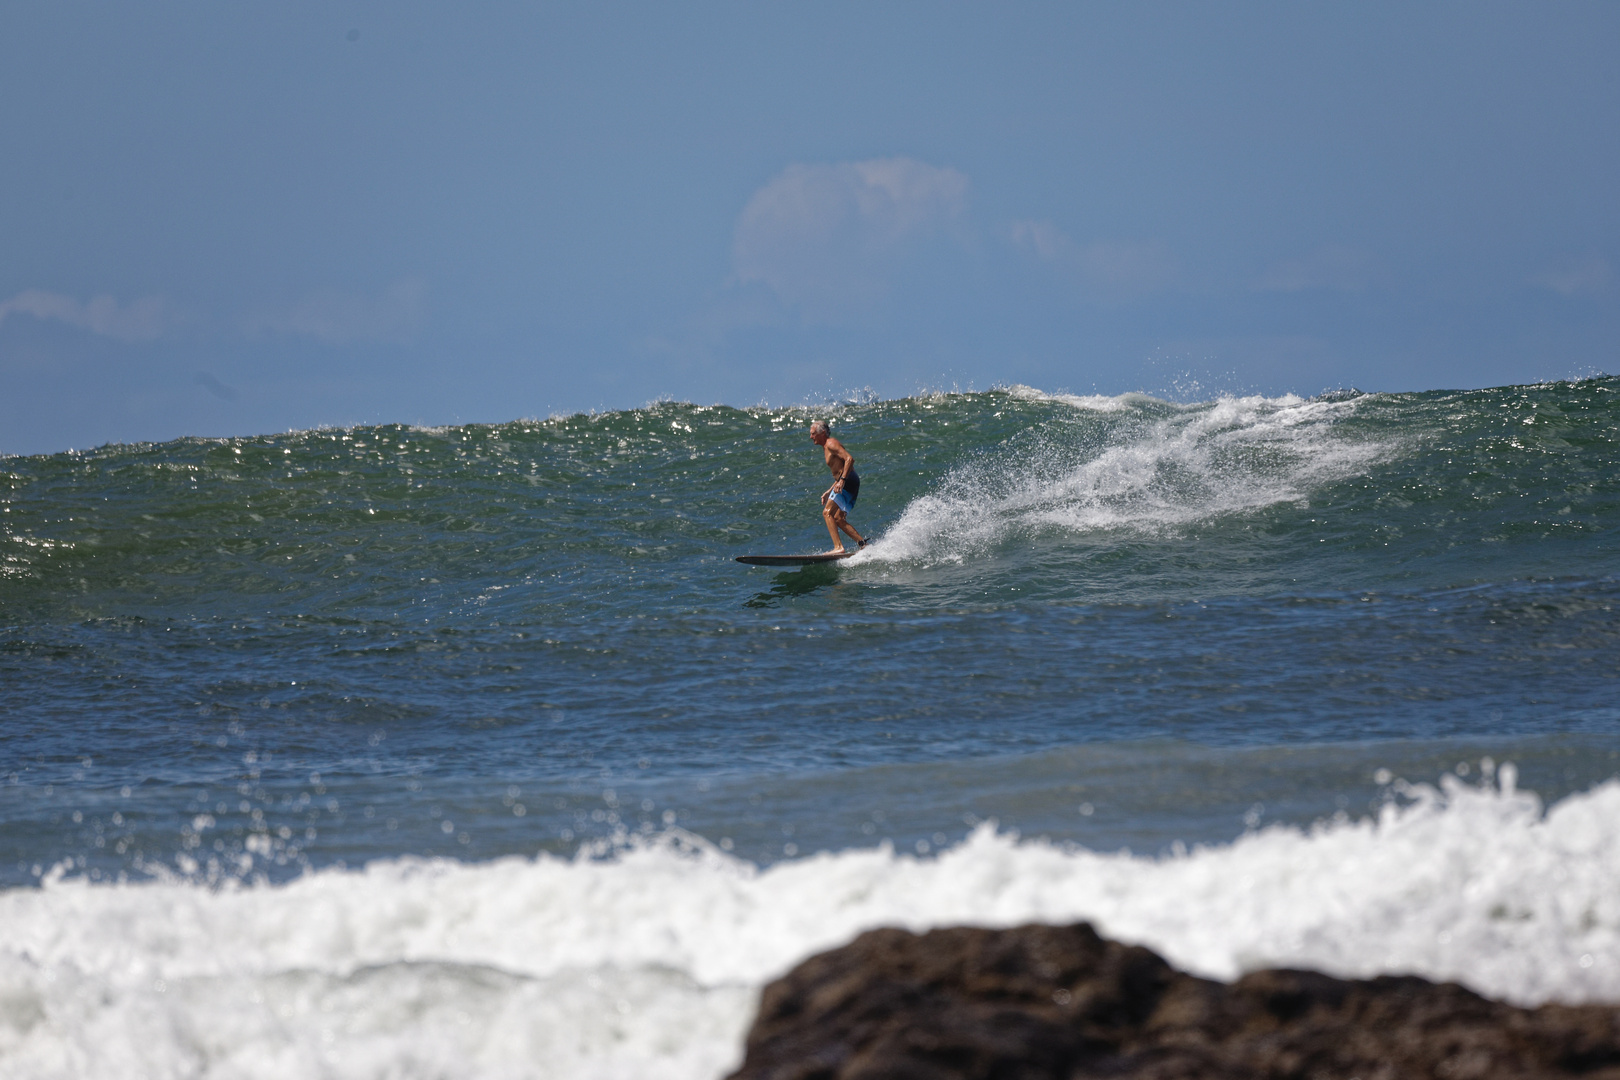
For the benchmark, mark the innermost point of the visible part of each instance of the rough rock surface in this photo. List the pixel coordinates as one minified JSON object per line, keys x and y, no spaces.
{"x":1061,"y":1002}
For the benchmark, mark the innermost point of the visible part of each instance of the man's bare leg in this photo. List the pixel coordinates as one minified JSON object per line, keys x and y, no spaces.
{"x":830,"y":514}
{"x":843,"y":523}
{"x":836,"y":520}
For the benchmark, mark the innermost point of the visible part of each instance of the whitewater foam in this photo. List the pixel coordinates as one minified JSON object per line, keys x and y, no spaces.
{"x":648,"y":962}
{"x":1161,"y":466}
{"x":1095,"y":402}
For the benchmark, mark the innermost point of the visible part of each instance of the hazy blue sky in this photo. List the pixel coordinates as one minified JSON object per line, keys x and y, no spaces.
{"x":225,"y":218}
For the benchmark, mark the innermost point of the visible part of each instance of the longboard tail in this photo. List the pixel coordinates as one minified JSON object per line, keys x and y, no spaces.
{"x":793,"y":560}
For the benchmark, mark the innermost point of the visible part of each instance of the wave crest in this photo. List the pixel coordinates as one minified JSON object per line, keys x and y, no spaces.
{"x":1133,"y":463}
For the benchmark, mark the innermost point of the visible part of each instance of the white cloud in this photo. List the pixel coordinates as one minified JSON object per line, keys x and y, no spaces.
{"x":1582,"y":274}
{"x":1343,"y":269}
{"x":829,"y":236}
{"x":337,"y":318}
{"x":139,"y":320}
{"x":1126,"y":269}
{"x":1108,"y":270}
{"x":1043,"y":238}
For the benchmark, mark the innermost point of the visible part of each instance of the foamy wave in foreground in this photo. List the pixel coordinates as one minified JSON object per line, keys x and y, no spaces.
{"x":649,"y":963}
{"x":1152,"y":472}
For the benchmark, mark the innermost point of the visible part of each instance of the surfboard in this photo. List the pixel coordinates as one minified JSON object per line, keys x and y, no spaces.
{"x":793,"y":560}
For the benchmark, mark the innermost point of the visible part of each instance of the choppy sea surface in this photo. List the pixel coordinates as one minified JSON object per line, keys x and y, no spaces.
{"x":401,"y":752}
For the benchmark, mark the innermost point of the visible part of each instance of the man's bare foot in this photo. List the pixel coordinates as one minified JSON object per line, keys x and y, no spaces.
{"x":836,"y":551}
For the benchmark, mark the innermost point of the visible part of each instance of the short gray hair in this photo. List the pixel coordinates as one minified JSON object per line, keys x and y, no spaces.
{"x":819,"y":425}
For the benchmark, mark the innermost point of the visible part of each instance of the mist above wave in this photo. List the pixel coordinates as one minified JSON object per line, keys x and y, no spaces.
{"x":1152,"y":471}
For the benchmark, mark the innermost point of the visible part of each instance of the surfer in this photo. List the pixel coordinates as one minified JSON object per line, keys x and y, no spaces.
{"x":838,"y":500}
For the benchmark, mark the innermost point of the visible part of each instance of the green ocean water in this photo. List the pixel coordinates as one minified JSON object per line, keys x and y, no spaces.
{"x":357,"y":637}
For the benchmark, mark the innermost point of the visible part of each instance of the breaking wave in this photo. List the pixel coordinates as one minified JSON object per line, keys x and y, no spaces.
{"x":648,"y":960}
{"x":1153,"y":467}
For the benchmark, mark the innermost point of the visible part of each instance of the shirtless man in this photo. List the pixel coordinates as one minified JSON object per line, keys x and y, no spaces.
{"x":838,"y":500}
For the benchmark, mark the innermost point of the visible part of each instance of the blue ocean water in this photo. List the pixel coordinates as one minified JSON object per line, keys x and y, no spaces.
{"x":278,"y":683}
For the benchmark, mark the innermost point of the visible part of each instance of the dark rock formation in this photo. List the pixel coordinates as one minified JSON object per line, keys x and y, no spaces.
{"x":1062,"y":1003}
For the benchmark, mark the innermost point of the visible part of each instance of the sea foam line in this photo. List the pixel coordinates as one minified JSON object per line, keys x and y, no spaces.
{"x":648,"y":962}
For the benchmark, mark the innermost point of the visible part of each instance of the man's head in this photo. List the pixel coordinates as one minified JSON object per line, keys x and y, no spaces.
{"x":819,"y":432}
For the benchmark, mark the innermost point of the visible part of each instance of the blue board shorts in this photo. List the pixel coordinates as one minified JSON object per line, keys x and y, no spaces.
{"x":845,"y":500}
